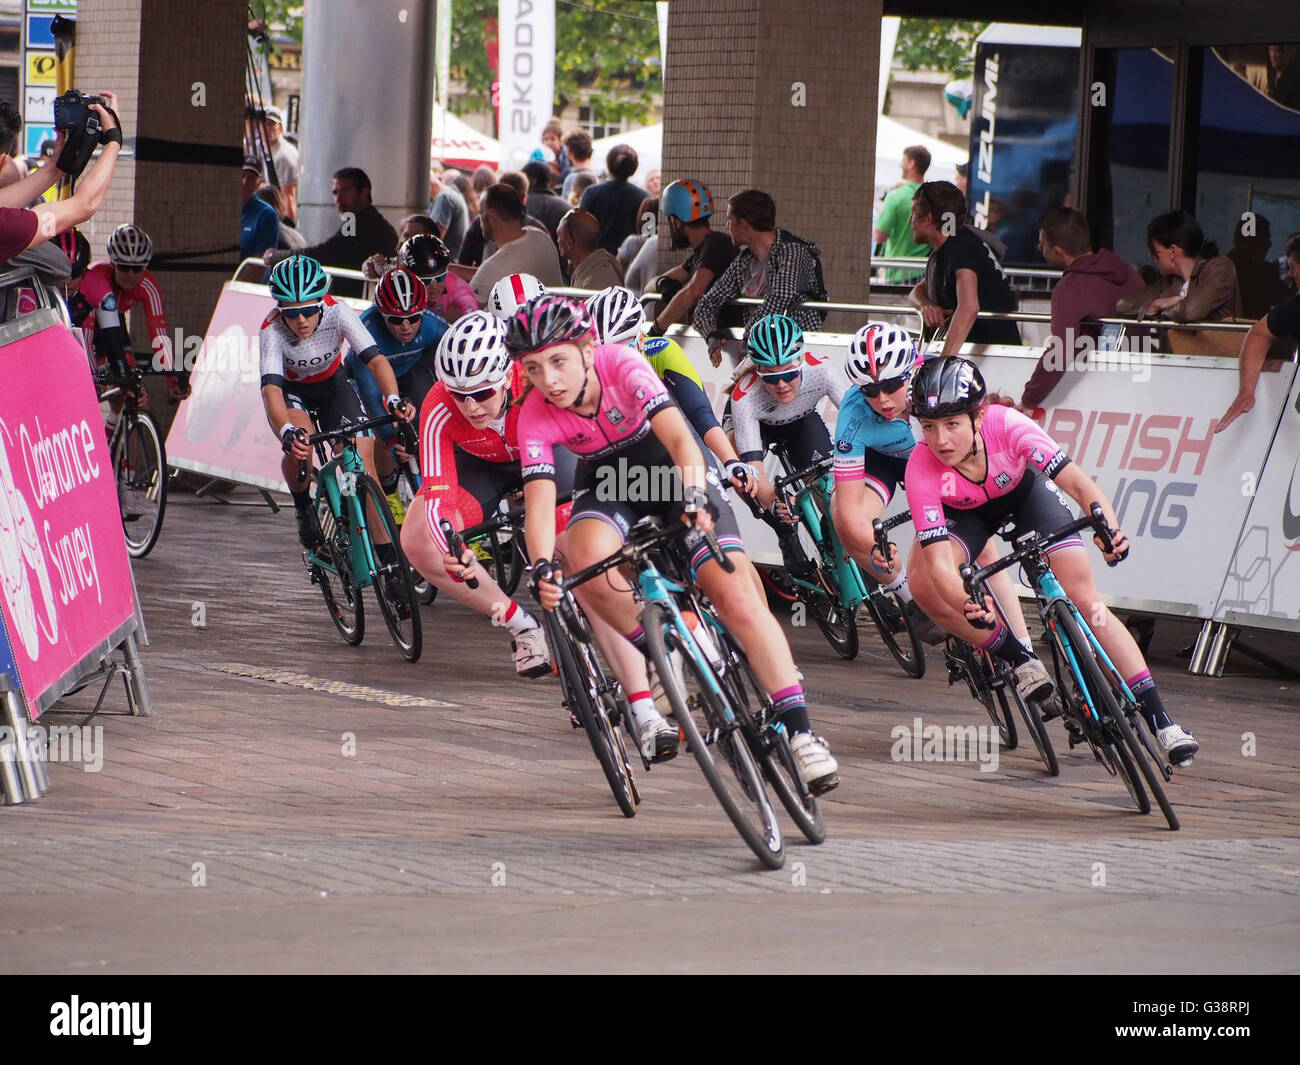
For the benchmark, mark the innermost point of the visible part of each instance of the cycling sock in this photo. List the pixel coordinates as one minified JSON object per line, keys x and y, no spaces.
{"x":1143,"y":687}
{"x":301,"y":500}
{"x":899,"y":586}
{"x":1026,"y":643}
{"x":1003,"y":644}
{"x":643,"y":708}
{"x":518,"y":620}
{"x":388,"y":482}
{"x":637,"y":638}
{"x":792,"y":708}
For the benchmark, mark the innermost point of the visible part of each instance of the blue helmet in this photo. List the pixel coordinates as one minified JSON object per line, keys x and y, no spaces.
{"x":687,"y":200}
{"x":297,"y":279}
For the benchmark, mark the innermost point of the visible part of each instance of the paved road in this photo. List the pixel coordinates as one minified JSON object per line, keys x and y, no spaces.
{"x":298,"y":805}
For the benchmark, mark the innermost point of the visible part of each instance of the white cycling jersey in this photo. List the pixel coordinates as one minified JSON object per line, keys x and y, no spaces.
{"x":753,"y":406}
{"x":288,"y":359}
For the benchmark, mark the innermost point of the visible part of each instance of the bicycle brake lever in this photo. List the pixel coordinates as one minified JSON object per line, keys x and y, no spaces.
{"x":455,"y":548}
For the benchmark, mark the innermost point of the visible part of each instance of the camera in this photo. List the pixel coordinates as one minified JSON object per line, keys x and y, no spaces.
{"x":72,"y":111}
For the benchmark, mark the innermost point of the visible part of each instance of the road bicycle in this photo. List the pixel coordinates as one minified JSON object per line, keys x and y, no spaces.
{"x":345,"y":562}
{"x":139,"y":469}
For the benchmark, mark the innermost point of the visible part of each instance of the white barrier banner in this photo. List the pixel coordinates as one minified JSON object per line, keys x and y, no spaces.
{"x":1262,"y":586}
{"x":526,"y":38}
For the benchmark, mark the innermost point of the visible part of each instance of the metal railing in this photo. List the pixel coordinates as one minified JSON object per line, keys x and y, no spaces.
{"x":1030,"y":278}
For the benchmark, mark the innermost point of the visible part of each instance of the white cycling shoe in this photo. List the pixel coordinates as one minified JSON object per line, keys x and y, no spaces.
{"x":1179,"y":746}
{"x":532,"y":656}
{"x":658,"y":738}
{"x":817,"y":766}
{"x":1032,"y":681}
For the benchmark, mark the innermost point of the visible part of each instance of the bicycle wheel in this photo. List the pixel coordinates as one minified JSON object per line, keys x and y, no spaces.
{"x":343,"y":602}
{"x":1033,"y":724}
{"x":778,"y":762}
{"x":1129,"y":749}
{"x":581,"y":693}
{"x":838,"y":624}
{"x":700,"y":713}
{"x":392,"y":584}
{"x":141,"y":469}
{"x":905,"y":646}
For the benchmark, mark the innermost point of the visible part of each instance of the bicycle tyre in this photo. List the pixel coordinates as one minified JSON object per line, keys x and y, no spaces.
{"x":972,"y":664}
{"x":144,"y":475}
{"x":763,"y":833}
{"x":347,"y":613}
{"x":1129,"y":750}
{"x":579,"y":690}
{"x":1034,"y":725}
{"x":777,"y":759}
{"x":405,"y":631}
{"x":913,"y":663}
{"x":837,"y":624}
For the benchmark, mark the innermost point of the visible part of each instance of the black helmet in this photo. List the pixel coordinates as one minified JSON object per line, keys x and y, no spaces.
{"x":425,"y":254}
{"x":73,"y":244}
{"x":546,"y":320}
{"x":947,"y":386}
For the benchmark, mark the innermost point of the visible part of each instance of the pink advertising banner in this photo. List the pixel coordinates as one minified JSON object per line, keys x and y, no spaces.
{"x":64,"y":570}
{"x":221,"y":430}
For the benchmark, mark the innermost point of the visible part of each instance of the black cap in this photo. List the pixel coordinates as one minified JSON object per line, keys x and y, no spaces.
{"x":251,"y":162}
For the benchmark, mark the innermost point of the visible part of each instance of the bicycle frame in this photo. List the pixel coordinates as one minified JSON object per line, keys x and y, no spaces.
{"x":812,"y":506}
{"x":333,"y":479}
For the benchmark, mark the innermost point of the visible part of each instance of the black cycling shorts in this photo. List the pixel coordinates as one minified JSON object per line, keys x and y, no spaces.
{"x":332,"y":403}
{"x":1035,"y":504}
{"x":804,"y":441}
{"x":883,"y":473}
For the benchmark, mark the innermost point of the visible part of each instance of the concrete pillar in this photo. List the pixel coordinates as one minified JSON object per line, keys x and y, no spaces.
{"x":367,"y":101}
{"x":179,"y":74}
{"x":780,"y":96}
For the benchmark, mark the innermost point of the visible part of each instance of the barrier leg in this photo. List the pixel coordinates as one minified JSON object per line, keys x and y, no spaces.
{"x":137,"y":686}
{"x":11,"y":787}
{"x":24,"y":756}
{"x":1201,"y":650}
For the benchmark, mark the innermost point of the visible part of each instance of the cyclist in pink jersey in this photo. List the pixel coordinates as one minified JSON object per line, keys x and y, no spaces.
{"x":447,"y":294}
{"x":606,"y":404}
{"x":979,"y":466}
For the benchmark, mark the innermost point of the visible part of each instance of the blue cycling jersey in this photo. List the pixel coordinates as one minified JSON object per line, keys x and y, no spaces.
{"x":859,"y":429}
{"x":401,"y":357}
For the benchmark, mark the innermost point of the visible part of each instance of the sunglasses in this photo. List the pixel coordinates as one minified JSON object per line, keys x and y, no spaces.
{"x":403,"y":319}
{"x":300,"y":312}
{"x":890,"y":387}
{"x":481,"y":396}
{"x":780,"y":378}
{"x":129,"y":269}
{"x":436,"y":279}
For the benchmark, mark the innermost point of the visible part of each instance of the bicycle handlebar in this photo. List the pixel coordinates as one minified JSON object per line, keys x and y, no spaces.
{"x":635,"y":546}
{"x":819,"y":467}
{"x":456,"y":548}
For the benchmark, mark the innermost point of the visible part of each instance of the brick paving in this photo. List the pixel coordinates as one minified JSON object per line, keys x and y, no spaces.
{"x":361,"y":833}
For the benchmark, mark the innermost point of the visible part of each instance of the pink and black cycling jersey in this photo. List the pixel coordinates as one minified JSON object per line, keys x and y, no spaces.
{"x":457,"y":299}
{"x":630,"y":393}
{"x":288,"y":360}
{"x":1013,"y":443}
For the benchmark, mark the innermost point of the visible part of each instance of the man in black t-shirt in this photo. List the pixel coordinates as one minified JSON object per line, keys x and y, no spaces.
{"x":688,"y":207}
{"x":1281,"y":322}
{"x":615,"y":202}
{"x":962,"y":275}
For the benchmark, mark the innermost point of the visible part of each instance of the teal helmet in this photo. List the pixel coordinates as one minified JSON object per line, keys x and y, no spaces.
{"x":774,"y":340}
{"x":297,"y":279}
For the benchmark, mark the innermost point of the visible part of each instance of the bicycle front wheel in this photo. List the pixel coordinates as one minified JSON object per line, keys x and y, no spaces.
{"x":141,"y":469}
{"x":1008,"y":695}
{"x":903,"y":644}
{"x":837,"y":623}
{"x":392,"y":583}
{"x":581,"y":687}
{"x":710,"y":726}
{"x":339,"y":589}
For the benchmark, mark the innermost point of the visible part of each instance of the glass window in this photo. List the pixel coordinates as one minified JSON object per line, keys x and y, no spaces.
{"x":1130,"y":147}
{"x":1247,"y":180}
{"x":587,"y":120}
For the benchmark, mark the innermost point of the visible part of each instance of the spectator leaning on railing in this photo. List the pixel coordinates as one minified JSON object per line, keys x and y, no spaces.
{"x":1090,"y":286}
{"x":1282,"y":321}
{"x":1196,"y":284}
{"x":773,"y":265}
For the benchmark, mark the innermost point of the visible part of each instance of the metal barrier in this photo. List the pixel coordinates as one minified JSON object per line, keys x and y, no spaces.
{"x":1031,"y":278}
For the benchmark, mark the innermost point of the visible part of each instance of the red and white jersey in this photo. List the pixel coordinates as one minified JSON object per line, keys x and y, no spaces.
{"x":148,"y":295}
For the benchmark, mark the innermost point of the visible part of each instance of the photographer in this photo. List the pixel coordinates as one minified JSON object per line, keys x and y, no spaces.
{"x":82,"y":125}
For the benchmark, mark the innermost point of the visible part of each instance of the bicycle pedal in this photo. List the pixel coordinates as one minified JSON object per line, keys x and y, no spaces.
{"x":821,"y":787}
{"x":573,"y":720}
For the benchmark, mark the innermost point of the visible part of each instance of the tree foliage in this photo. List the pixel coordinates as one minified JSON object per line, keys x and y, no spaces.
{"x":937,"y":44}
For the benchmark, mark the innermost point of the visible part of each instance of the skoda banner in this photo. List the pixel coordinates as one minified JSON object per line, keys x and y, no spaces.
{"x":527,"y":49}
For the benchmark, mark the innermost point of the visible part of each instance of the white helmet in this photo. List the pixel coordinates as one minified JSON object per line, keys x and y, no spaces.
{"x":881,"y":352}
{"x":617,"y":315}
{"x":511,"y":293}
{"x":130,"y":246}
{"x":472,"y":353}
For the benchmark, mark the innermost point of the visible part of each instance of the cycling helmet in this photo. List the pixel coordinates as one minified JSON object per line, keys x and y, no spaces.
{"x":511,"y":293}
{"x":546,"y":320}
{"x":297,"y":279}
{"x":400,"y":292}
{"x":472,"y":353}
{"x":774,"y":340}
{"x":130,"y":246}
{"x":947,"y":386}
{"x":74,"y":245}
{"x":617,"y":315}
{"x":425,"y":254}
{"x":880,"y":352}
{"x":687,"y":200}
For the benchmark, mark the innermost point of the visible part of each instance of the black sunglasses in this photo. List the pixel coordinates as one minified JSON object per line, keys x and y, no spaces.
{"x":403,"y":319}
{"x":300,"y":312}
{"x":873,"y":391}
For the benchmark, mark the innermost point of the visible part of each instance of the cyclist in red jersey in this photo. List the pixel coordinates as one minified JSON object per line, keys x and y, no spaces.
{"x":129,"y":253}
{"x":469,"y":462}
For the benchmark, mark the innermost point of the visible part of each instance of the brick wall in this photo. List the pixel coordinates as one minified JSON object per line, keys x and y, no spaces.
{"x":731,"y":120}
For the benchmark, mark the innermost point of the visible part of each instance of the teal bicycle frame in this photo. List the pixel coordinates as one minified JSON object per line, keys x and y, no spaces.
{"x":337,"y":478}
{"x":812,"y":507}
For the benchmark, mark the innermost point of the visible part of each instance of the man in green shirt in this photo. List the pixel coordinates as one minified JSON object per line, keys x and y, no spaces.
{"x":893,"y":228}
